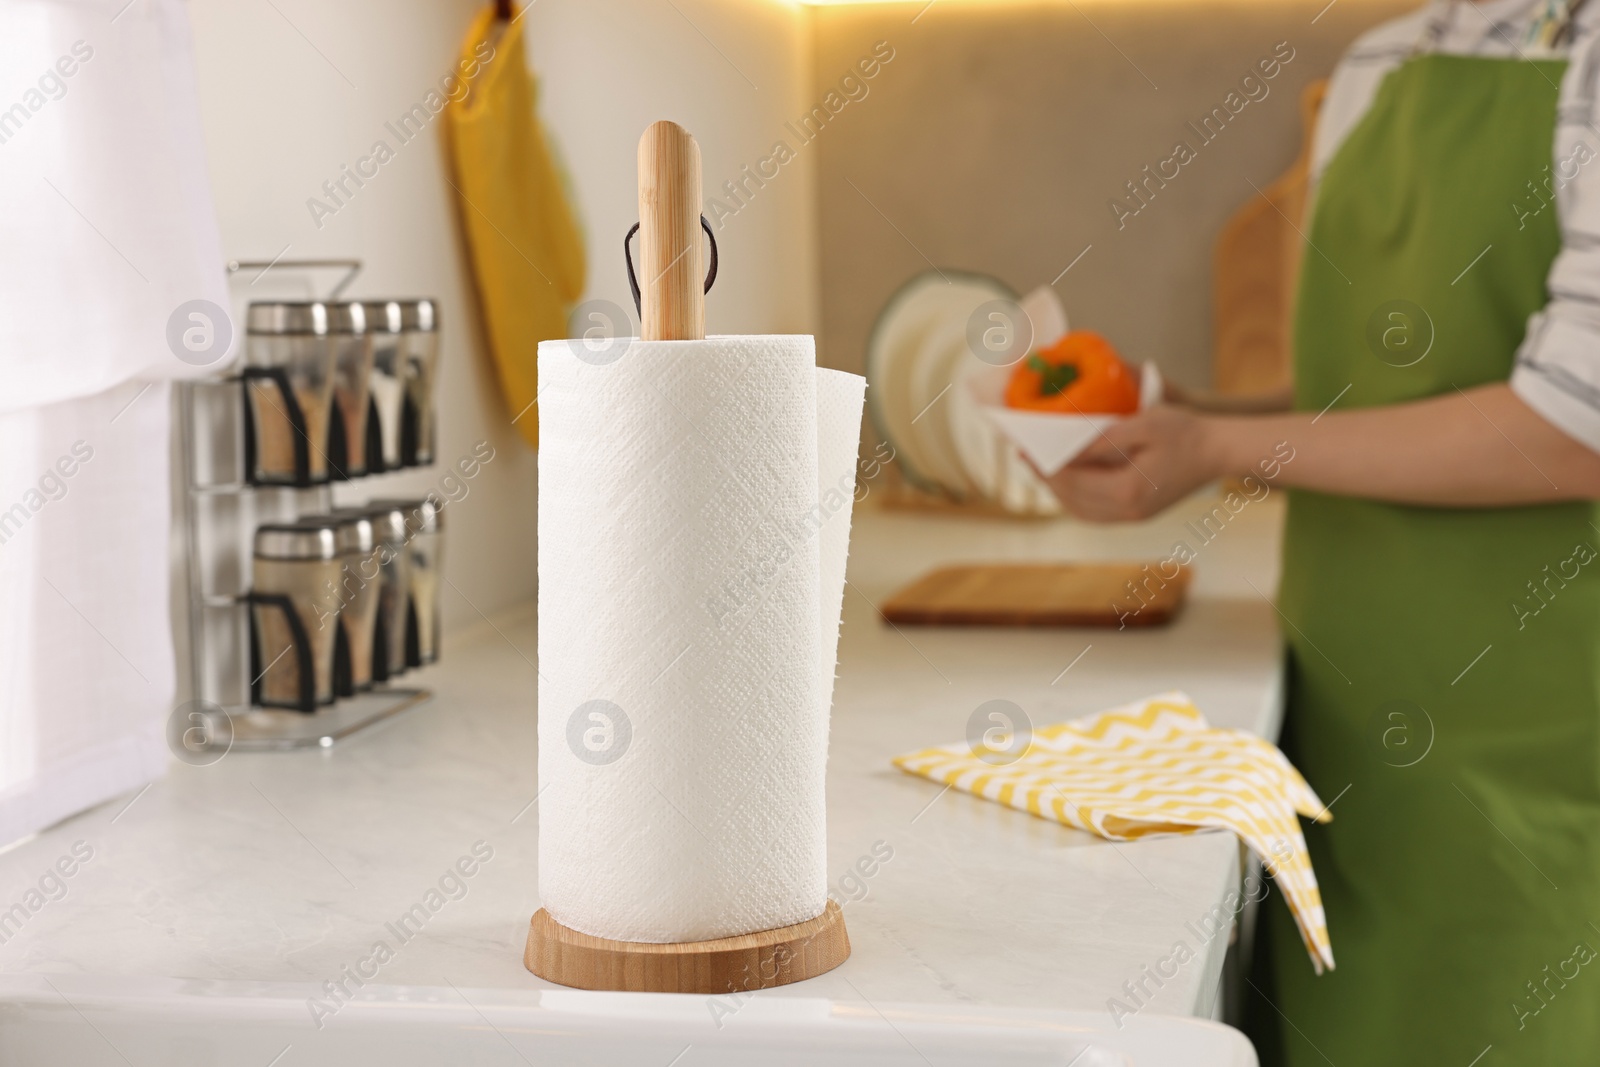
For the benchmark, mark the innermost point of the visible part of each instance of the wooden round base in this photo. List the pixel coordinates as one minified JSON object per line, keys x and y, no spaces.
{"x":726,"y":965}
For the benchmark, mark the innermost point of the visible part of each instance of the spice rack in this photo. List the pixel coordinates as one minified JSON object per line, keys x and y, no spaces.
{"x":221,"y":509}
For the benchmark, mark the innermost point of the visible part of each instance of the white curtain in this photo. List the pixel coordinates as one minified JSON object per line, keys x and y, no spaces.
{"x":109,"y":223}
{"x":108,"y":227}
{"x":86,"y":662}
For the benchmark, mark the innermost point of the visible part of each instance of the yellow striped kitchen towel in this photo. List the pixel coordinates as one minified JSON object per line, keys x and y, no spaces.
{"x":1151,"y":767}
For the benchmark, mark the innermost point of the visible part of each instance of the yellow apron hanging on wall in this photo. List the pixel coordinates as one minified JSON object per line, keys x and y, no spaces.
{"x":524,"y":245}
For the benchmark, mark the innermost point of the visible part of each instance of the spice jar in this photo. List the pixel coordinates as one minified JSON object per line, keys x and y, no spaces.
{"x":359,"y":592}
{"x":386,"y":385}
{"x":424,"y":523}
{"x":427,"y":559}
{"x":419,"y":344}
{"x":288,"y":380}
{"x":295,"y":612}
{"x":394,"y":590}
{"x":352,"y":379}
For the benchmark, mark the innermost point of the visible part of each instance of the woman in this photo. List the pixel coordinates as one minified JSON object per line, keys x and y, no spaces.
{"x":1440,"y":594}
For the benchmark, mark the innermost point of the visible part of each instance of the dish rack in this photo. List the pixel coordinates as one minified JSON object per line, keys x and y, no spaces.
{"x":221,"y":509}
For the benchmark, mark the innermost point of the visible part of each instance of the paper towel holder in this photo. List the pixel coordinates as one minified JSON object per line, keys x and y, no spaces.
{"x":672,"y":308}
{"x":738,"y":964}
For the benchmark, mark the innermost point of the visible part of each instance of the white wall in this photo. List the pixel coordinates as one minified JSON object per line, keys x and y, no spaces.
{"x":1002,"y":129}
{"x":286,"y":99}
{"x":731,"y":72}
{"x":293,"y":89}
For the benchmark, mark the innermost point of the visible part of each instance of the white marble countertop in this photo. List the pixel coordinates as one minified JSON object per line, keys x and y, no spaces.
{"x":288,"y":867}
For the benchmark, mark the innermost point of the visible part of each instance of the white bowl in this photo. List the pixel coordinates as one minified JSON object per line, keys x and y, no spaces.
{"x":1051,"y":441}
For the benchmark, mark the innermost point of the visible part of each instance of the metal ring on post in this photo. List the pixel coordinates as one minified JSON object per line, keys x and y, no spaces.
{"x":633,"y":280}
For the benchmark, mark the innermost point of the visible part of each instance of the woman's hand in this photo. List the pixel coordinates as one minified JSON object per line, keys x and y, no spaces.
{"x":1140,"y":465}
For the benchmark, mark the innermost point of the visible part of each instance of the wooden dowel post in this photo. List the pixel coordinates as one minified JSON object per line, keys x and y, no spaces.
{"x":671,"y":270}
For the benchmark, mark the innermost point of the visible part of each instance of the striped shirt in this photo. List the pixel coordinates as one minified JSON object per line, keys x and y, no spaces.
{"x":1557,"y":370}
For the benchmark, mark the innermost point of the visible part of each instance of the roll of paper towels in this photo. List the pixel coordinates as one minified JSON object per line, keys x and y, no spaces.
{"x":694,"y":518}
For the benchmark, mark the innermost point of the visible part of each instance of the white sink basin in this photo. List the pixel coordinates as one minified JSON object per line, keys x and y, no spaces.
{"x":62,"y":1019}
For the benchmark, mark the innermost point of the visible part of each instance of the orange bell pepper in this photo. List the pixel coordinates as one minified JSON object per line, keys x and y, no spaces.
{"x":1081,"y":374}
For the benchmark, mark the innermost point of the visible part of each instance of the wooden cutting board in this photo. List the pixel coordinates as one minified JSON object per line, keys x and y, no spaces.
{"x":1042,"y":594}
{"x":1255,"y":272}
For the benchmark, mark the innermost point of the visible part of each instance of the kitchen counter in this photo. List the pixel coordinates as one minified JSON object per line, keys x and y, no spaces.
{"x":290,"y":867}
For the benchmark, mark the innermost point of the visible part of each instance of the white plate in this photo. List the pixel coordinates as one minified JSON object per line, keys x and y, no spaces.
{"x":1046,"y":315}
{"x":932,"y":390}
{"x":897,"y":340}
{"x":988,"y":457}
{"x":1049,"y":440}
{"x":990,"y":460}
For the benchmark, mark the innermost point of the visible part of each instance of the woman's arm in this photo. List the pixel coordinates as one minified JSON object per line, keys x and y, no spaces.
{"x":1482,"y":447}
{"x":1220,"y":404}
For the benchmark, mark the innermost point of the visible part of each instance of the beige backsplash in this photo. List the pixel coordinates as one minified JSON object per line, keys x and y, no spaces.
{"x":998,"y":134}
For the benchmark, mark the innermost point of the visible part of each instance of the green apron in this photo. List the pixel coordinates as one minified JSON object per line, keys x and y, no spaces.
{"x":1444,"y":685}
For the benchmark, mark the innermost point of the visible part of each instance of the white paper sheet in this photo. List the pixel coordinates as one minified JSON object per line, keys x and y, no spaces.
{"x":694,"y":509}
